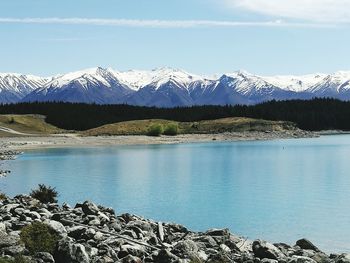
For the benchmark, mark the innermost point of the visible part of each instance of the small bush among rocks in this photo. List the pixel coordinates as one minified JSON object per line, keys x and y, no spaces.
{"x":39,"y":237}
{"x":45,"y":194}
{"x":17,"y":259}
{"x":2,"y":197}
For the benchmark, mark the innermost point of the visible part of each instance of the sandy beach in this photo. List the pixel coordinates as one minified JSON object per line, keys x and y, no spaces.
{"x":74,"y":140}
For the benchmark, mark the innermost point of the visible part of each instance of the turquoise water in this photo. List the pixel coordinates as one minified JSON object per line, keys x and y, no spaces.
{"x":276,"y":190}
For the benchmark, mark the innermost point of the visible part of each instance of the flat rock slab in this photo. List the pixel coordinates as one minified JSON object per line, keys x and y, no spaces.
{"x":8,"y":240}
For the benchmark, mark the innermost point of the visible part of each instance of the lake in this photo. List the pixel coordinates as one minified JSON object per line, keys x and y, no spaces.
{"x":279,"y":190}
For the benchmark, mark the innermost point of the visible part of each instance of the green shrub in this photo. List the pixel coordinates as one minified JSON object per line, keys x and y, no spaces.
{"x":20,"y":259}
{"x":155,"y":130}
{"x":45,"y":194}
{"x":17,"y":259}
{"x":171,"y":129}
{"x":2,"y":197}
{"x":39,"y":237}
{"x":11,"y":120}
{"x":5,"y":260}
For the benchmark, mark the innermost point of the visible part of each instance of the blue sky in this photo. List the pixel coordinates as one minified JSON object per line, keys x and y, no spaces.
{"x":267,"y":37}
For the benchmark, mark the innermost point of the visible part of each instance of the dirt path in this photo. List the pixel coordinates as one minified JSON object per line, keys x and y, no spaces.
{"x":11,"y":131}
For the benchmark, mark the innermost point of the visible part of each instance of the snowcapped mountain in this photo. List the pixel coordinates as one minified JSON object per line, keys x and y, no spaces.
{"x":244,"y":88}
{"x":14,"y":87}
{"x":96,"y":85}
{"x":295,"y":83}
{"x":167,"y":87}
{"x":334,"y":86}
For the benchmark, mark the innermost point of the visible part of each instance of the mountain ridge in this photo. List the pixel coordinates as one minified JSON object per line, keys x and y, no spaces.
{"x":168,"y":87}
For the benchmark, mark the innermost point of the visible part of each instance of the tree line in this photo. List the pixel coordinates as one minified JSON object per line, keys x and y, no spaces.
{"x":316,"y":114}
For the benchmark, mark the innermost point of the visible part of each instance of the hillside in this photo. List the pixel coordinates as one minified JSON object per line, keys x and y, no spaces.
{"x":141,"y":127}
{"x":28,"y":124}
{"x":34,"y":125}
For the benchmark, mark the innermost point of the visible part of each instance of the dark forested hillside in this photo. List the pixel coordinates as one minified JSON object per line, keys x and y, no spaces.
{"x":317,"y":114}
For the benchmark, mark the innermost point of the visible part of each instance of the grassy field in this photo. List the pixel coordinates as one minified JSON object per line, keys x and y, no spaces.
{"x":141,"y":127}
{"x":28,"y":124}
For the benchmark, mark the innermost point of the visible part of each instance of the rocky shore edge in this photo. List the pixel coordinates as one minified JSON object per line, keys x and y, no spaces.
{"x":6,"y":155}
{"x":91,"y":233}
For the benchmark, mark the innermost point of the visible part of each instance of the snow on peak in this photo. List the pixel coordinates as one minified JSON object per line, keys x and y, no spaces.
{"x":137,"y":79}
{"x":107,"y":80}
{"x":181,"y":77}
{"x":295,"y":83}
{"x":337,"y":82}
{"x":96,"y":75}
{"x":19,"y":83}
{"x":246,"y":83}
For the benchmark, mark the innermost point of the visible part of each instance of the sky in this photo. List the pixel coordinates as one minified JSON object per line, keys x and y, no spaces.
{"x":265,"y":37}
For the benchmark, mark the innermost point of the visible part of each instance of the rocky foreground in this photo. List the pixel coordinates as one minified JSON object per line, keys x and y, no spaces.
{"x":90,"y":233}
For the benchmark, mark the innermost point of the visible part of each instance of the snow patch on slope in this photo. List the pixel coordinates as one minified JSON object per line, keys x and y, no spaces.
{"x":20,"y":83}
{"x":137,"y":79}
{"x":295,"y":83}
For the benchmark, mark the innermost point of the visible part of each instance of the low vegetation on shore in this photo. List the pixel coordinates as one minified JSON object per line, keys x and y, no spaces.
{"x":157,"y":127}
{"x":33,"y":231}
{"x":36,"y":125}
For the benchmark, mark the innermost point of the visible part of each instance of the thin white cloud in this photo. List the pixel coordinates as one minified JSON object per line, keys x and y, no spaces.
{"x":63,"y":39}
{"x":320,"y":11}
{"x":155,"y":23}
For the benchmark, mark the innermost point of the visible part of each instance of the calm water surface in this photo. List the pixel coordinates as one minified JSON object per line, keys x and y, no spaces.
{"x":276,"y":190}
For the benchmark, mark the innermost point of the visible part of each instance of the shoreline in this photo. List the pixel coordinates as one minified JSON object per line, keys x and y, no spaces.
{"x":10,"y":147}
{"x":22,"y":143}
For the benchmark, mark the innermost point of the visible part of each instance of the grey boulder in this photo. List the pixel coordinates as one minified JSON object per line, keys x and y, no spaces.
{"x":306,"y":244}
{"x":89,"y":208}
{"x":70,"y":252}
{"x":263,"y":249}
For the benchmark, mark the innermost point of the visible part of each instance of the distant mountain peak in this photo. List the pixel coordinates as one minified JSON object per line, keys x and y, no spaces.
{"x":168,"y":87}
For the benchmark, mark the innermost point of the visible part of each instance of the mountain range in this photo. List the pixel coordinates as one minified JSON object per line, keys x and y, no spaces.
{"x":167,"y":87}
